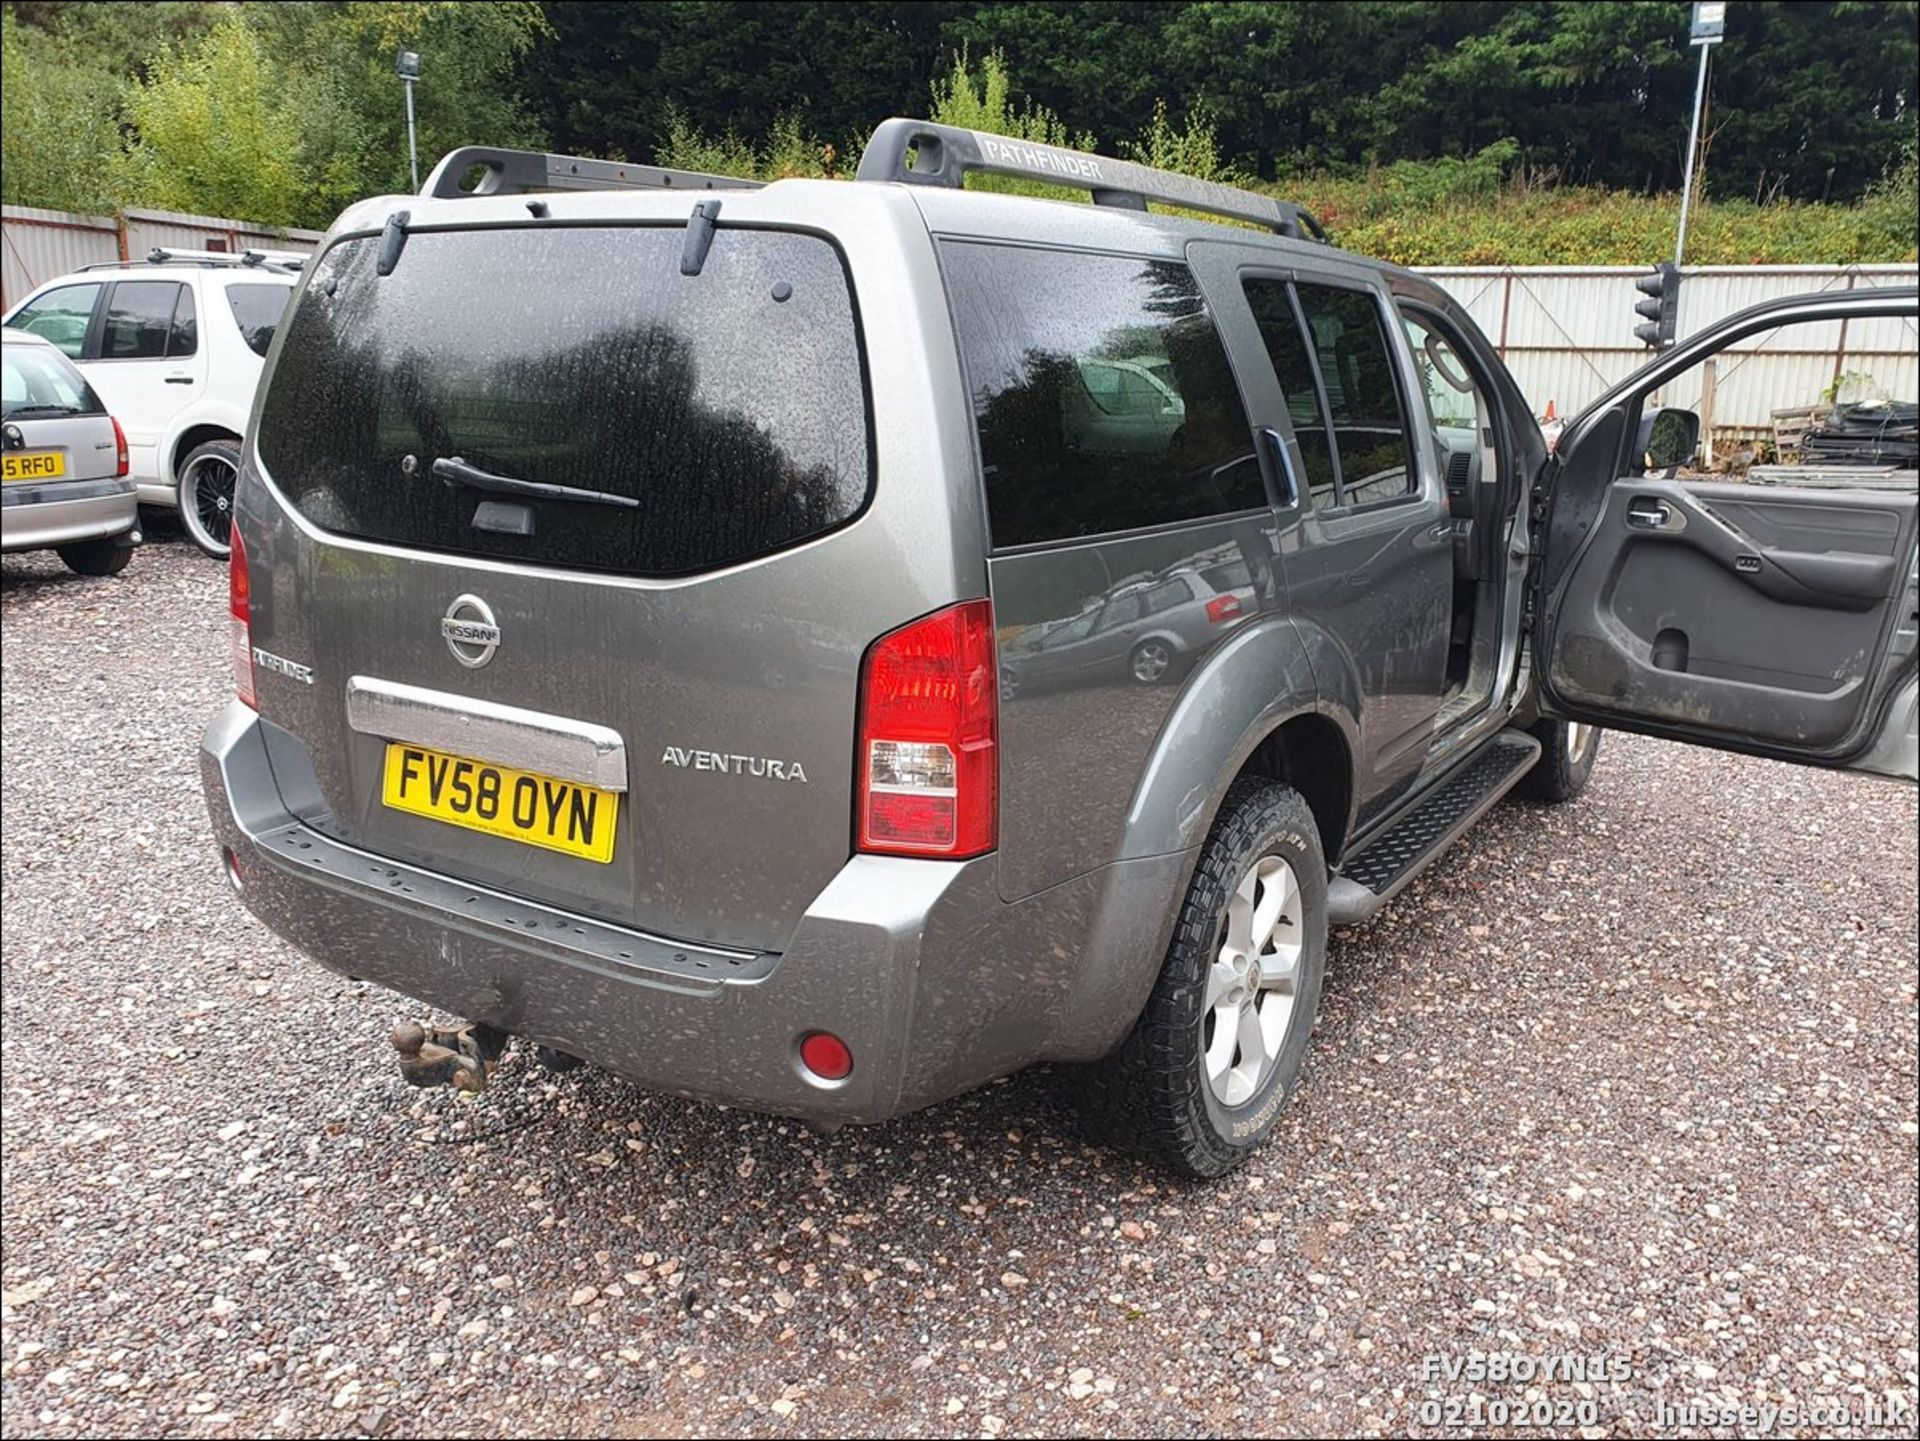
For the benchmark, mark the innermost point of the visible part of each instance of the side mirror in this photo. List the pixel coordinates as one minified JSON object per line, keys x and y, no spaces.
{"x":1668,"y":439}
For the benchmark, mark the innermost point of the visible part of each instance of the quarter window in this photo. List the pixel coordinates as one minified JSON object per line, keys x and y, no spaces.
{"x":1101,"y":393}
{"x":256,"y":311}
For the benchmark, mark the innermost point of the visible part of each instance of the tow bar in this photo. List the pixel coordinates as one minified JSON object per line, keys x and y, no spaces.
{"x":459,"y":1056}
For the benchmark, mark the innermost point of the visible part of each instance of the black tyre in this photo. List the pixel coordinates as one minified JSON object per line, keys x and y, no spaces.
{"x":205,"y":489}
{"x":96,"y":557}
{"x":1567,"y":752}
{"x":1214,"y":1055}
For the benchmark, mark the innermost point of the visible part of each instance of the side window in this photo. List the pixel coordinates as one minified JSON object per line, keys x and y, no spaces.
{"x":1121,"y":610}
{"x":1452,"y":400}
{"x":1272,"y":306}
{"x":1363,"y":398}
{"x":256,"y":311}
{"x":140,"y":319}
{"x":1101,"y":392}
{"x":60,"y":316}
{"x":1458,"y":416}
{"x":184,"y":338}
{"x":1166,"y":596}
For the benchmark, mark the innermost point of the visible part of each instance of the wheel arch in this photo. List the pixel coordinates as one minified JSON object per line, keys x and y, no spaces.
{"x":1252,"y":707}
{"x":191,"y":438}
{"x":1310,"y":753}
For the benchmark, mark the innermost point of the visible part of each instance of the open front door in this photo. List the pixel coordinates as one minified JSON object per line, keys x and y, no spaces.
{"x":1772,"y":620}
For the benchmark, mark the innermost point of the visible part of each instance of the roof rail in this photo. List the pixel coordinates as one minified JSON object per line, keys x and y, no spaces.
{"x":282,"y":261}
{"x":922,"y":153}
{"x":523,"y":172}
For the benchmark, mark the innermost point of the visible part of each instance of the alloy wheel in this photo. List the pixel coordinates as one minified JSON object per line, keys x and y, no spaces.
{"x":1253,"y":983}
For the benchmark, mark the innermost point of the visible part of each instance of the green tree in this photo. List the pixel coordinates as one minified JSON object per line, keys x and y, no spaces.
{"x":214,"y":133}
{"x":338,"y":61}
{"x":58,"y":139}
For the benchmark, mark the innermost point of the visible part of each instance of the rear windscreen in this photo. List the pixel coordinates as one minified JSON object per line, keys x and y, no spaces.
{"x":42,"y":385}
{"x":730,"y":405}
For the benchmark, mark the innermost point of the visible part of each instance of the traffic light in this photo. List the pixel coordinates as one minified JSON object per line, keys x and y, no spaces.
{"x":1662,"y":311}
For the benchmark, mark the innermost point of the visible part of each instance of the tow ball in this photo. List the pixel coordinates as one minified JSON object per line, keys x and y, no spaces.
{"x":458,"y":1056}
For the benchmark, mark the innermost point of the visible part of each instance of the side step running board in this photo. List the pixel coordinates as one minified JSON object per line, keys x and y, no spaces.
{"x":1367,"y":881}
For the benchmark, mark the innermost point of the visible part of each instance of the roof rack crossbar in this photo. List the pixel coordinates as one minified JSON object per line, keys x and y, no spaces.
{"x":525,"y":172}
{"x":922,"y":153}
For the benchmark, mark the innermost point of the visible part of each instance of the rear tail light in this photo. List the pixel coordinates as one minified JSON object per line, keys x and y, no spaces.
{"x":1223,"y":607}
{"x":121,"y":466}
{"x":240,"y":619}
{"x":929,"y":718}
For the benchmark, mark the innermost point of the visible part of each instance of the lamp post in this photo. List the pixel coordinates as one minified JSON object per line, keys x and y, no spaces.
{"x":1709,"y":29}
{"x":407,"y":67}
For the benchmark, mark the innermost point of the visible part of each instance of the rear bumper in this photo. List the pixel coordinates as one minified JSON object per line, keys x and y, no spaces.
{"x":934,"y":982}
{"x":34,"y":517}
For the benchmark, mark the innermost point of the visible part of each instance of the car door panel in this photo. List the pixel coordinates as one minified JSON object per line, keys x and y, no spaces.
{"x":1763,"y":619}
{"x":1699,"y":624}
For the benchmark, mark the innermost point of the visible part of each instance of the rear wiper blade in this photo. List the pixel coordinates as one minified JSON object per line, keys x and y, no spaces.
{"x":457,"y":473}
{"x":46,"y":410}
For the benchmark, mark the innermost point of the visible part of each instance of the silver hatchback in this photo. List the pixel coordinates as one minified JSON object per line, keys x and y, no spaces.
{"x":64,"y":463}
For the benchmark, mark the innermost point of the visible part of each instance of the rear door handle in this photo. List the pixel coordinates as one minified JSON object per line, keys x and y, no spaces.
{"x":179,"y":379}
{"x":1278,"y":465}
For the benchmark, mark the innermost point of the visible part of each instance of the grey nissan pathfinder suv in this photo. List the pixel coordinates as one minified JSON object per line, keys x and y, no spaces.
{"x":623,"y":580}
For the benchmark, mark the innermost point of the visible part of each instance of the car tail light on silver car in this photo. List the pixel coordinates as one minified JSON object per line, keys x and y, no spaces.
{"x":929,"y":721}
{"x":240,"y":619}
{"x":1223,"y":608}
{"x":121,"y":465}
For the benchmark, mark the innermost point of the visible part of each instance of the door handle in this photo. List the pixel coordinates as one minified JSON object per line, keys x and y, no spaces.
{"x":1649,"y":515}
{"x":178,"y":379}
{"x":1278,"y":465}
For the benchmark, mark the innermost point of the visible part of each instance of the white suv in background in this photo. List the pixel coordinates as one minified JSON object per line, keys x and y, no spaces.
{"x":174,"y":345}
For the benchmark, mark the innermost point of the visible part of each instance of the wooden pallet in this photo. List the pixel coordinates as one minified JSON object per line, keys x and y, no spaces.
{"x":1791,"y":425}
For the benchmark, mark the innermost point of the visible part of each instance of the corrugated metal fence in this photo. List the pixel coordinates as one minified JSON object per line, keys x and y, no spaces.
{"x":42,"y":244}
{"x":1566,"y":333}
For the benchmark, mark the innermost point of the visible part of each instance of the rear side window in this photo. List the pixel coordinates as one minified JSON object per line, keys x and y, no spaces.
{"x":730,"y":406}
{"x":1101,"y":392}
{"x":61,"y":316}
{"x":1272,"y":305}
{"x":39,"y":383}
{"x":148,"y":320}
{"x":256,"y":311}
{"x":1363,"y":397}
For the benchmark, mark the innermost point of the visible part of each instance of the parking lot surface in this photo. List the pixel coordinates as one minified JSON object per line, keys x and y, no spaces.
{"x":1633,"y":1079}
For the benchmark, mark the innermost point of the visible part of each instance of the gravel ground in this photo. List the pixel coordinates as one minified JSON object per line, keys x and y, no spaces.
{"x":1632,"y":1078}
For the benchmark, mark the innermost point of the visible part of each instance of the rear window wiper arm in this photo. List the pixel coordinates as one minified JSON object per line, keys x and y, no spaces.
{"x":49,"y":410}
{"x":457,"y":473}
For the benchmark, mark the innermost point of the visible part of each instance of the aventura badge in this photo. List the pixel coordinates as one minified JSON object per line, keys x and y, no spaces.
{"x":728,"y":764}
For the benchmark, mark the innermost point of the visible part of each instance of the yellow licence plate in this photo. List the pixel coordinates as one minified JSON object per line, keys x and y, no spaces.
{"x":515,"y":805}
{"x":33,"y":465}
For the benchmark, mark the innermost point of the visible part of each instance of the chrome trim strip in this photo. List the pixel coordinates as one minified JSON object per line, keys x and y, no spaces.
{"x":569,"y":750}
